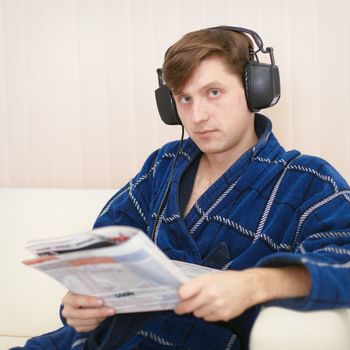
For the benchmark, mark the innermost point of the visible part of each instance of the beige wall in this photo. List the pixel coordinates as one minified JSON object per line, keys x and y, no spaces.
{"x":77,"y":79}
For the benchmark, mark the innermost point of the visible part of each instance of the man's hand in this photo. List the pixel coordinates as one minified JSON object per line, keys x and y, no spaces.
{"x":221,"y":296}
{"x":84,"y":313}
{"x":217,"y":296}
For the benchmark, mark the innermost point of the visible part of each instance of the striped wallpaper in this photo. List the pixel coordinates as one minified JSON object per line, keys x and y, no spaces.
{"x":77,"y":79}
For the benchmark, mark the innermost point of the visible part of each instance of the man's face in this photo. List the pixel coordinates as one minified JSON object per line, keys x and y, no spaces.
{"x":213,"y":109}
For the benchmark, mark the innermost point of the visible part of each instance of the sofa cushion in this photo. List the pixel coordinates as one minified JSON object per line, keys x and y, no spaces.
{"x":30,"y":300}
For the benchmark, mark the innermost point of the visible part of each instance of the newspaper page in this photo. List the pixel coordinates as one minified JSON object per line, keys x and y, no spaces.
{"x":118,"y":264}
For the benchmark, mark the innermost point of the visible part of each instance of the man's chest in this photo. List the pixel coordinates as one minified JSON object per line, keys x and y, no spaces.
{"x":202,"y":182}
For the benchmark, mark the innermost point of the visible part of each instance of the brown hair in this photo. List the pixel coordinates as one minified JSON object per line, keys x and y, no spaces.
{"x":185,"y":55}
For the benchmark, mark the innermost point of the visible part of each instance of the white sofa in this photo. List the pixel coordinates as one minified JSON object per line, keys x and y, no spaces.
{"x":29,"y":300}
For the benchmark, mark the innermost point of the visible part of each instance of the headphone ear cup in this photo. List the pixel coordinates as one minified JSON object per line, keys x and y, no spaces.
{"x":261,"y":85}
{"x":166,"y":106}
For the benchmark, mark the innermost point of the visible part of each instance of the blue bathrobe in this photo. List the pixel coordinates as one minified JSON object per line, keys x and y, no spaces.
{"x":270,"y":208}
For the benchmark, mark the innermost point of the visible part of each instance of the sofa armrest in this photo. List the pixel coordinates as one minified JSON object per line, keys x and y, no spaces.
{"x":279,"y":328}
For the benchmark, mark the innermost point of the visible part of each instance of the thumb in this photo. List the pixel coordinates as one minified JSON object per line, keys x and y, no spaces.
{"x":191,"y":288}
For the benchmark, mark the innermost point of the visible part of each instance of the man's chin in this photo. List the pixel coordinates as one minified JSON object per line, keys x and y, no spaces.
{"x":208,"y":149}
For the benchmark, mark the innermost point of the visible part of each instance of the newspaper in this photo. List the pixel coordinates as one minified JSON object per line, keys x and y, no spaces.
{"x":119,"y":264}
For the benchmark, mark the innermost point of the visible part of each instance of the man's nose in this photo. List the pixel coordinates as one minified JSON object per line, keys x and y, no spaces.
{"x":200,"y":111}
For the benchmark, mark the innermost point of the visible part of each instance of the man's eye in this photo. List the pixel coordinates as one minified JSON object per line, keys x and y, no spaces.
{"x":185,"y":99}
{"x":214,"y":92}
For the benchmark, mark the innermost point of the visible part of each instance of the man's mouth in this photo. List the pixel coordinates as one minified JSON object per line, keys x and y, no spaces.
{"x":205,"y":132}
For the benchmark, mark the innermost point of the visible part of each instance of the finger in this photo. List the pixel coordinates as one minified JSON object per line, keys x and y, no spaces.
{"x":191,"y":304}
{"x":86,"y":323}
{"x":190,"y":288}
{"x":84,"y":327}
{"x":92,"y":322}
{"x":204,"y":311}
{"x":87,"y":313}
{"x":212,"y":317}
{"x":78,"y":300}
{"x":211,"y":313}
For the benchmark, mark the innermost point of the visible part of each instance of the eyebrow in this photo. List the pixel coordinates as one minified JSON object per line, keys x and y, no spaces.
{"x":204,"y":87}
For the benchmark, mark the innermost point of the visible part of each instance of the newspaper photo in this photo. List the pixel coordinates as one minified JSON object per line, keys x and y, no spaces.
{"x":119,"y":264}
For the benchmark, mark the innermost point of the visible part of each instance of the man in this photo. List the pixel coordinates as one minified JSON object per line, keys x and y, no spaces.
{"x":277,"y":223}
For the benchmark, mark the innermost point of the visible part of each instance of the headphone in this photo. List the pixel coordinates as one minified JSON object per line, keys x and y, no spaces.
{"x":261,"y":82}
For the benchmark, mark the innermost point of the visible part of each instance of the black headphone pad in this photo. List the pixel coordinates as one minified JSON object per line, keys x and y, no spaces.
{"x":167,"y":106}
{"x":261,"y":85}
